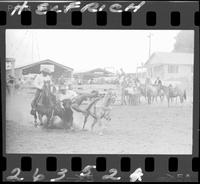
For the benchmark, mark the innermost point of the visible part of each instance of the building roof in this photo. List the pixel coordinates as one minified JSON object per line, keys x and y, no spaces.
{"x":45,"y":61}
{"x":98,"y":72}
{"x":170,"y":58}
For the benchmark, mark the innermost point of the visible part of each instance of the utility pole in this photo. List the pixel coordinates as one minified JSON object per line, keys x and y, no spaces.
{"x":137,"y":70}
{"x":150,"y":36}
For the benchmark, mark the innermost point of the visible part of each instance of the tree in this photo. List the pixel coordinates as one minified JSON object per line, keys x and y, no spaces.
{"x":184,"y":42}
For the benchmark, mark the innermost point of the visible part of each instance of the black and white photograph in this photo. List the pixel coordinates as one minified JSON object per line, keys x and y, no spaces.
{"x":72,"y":91}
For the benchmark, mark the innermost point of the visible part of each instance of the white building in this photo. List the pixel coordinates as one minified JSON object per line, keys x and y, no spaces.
{"x":170,"y":66}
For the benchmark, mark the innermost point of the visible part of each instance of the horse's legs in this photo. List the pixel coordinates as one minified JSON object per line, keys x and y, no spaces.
{"x":125,"y":100}
{"x":150,"y":99}
{"x":155,"y":99}
{"x":181,"y":99}
{"x":40,"y":118}
{"x":102,"y":126}
{"x":161,"y":98}
{"x":94,"y":123}
{"x":131,"y":99}
{"x":168,"y":100}
{"x":50,"y":119}
{"x":85,"y":120}
{"x":35,"y":119}
{"x":97,"y":120}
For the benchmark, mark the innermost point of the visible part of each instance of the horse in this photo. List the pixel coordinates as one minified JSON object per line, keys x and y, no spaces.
{"x":161,"y":94}
{"x":142,"y":90}
{"x":88,"y":113}
{"x":174,"y":92}
{"x":102,"y":110}
{"x":47,"y":105}
{"x":152,"y":92}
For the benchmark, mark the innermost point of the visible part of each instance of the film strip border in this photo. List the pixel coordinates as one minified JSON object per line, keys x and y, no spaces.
{"x":149,"y":14}
{"x":101,"y":18}
{"x":124,"y":169}
{"x":75,"y":168}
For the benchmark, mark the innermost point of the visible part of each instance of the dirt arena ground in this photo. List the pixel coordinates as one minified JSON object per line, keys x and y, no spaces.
{"x":142,"y":129}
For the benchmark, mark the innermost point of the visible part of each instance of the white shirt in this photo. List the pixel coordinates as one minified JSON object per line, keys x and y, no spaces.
{"x":40,"y":79}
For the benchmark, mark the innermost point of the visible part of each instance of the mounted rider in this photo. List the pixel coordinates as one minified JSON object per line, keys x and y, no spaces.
{"x":158,"y":82}
{"x":39,"y":81}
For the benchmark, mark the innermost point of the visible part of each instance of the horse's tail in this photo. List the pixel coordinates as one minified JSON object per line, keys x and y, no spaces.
{"x":184,"y":95}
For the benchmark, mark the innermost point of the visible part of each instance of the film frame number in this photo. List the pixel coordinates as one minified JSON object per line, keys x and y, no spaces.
{"x":15,"y":177}
{"x":85,"y":175}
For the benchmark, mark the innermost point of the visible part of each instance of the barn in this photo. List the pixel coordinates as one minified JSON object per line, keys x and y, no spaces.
{"x":35,"y":68}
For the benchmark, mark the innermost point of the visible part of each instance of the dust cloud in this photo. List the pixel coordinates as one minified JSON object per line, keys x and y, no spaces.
{"x":18,"y":108}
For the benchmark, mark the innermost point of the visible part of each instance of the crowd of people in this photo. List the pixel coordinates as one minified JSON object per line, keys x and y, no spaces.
{"x":130,"y":84}
{"x":65,"y":89}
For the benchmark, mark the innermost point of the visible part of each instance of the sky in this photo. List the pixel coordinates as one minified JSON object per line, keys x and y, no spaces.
{"x":84,"y":50}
